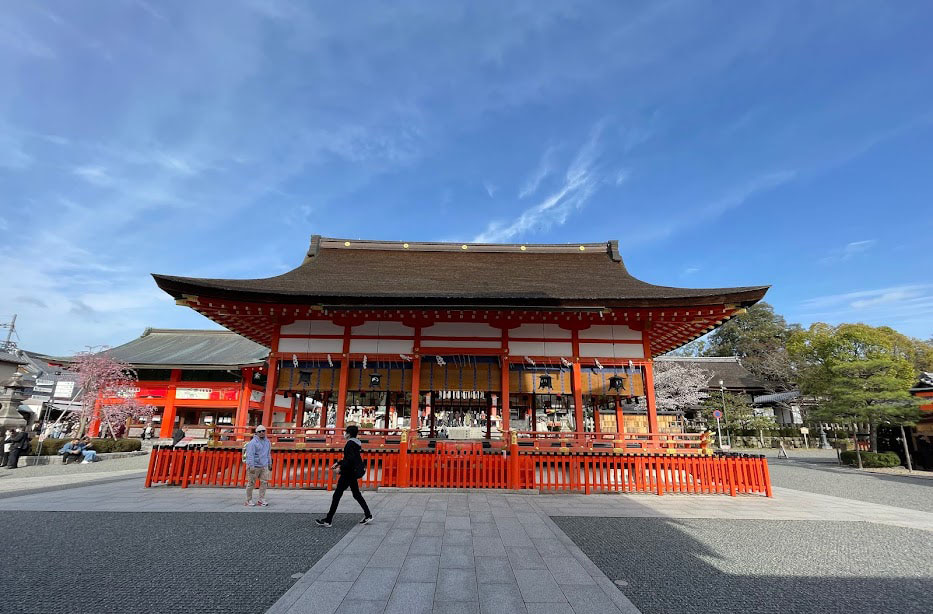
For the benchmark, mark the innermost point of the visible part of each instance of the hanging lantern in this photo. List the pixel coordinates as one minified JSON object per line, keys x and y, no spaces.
{"x":304,"y":378}
{"x":544,"y":382}
{"x":616,"y":383}
{"x":375,"y":379}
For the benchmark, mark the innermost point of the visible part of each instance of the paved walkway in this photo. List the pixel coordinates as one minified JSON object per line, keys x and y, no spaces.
{"x":463,"y":552}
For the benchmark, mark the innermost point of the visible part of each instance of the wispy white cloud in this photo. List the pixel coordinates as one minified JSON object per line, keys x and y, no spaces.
{"x":96,"y":175}
{"x":849,"y":251}
{"x":490,"y":188}
{"x":623,"y":175}
{"x":861,"y":299}
{"x":733,"y":198}
{"x":581,"y":181}
{"x":545,"y":167}
{"x":908,"y":306}
{"x":690,"y":270}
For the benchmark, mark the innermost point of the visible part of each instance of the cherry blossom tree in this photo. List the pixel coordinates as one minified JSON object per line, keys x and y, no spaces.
{"x":108,"y":386}
{"x":678,"y":386}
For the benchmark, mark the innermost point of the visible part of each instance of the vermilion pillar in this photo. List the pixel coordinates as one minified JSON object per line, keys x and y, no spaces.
{"x":272,"y":380}
{"x":597,"y":428}
{"x":268,"y":403}
{"x":577,"y":383}
{"x":168,"y":412}
{"x":242,"y":409}
{"x":649,"y":388}
{"x":415,"y":392}
{"x":620,"y":417}
{"x":504,"y":395}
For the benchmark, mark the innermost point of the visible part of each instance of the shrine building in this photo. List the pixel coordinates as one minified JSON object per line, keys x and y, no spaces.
{"x":461,"y":341}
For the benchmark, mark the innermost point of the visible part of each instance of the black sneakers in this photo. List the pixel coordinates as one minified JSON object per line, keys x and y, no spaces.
{"x":366,"y":520}
{"x":322,"y":522}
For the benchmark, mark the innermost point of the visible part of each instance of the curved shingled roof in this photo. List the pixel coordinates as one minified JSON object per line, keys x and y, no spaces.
{"x":190,"y":348}
{"x":349,"y":272}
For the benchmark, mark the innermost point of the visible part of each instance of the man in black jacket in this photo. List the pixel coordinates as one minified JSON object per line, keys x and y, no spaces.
{"x":19,"y":444}
{"x":351,"y":468}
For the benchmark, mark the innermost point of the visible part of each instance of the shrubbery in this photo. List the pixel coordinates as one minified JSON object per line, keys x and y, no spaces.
{"x":871,"y":460}
{"x":50,"y":447}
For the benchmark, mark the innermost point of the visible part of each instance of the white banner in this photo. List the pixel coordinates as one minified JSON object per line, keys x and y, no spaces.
{"x":193,"y":393}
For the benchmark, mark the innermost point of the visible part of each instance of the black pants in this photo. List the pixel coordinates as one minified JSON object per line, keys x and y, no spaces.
{"x":13,"y":459}
{"x":343,"y":483}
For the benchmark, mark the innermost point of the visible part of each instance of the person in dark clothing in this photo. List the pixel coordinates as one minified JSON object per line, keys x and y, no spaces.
{"x":177,"y":435}
{"x":351,"y":469}
{"x":19,"y":444}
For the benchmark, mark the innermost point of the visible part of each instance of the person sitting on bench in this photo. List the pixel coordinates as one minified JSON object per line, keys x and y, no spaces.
{"x":90,"y":455}
{"x":71,"y":450}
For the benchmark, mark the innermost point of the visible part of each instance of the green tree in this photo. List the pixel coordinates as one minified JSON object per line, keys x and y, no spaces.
{"x":759,"y":337}
{"x":738,"y":414}
{"x":860,"y":374}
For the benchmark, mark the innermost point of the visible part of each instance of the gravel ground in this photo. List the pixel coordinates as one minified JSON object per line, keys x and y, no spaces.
{"x":57,"y":468}
{"x":157,"y":562}
{"x":759,"y":566}
{"x":899,"y":491}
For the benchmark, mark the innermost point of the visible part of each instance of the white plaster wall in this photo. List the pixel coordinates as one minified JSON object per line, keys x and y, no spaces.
{"x":377,"y":328}
{"x":438,"y":343}
{"x":540,"y":331}
{"x":461,"y":329}
{"x":538,"y":348}
{"x":612,"y":350}
{"x":615,"y":331}
{"x":316,"y":327}
{"x":381,"y":346}
{"x":310,"y":345}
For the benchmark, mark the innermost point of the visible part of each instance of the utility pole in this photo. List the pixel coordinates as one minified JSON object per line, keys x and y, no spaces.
{"x":9,"y":345}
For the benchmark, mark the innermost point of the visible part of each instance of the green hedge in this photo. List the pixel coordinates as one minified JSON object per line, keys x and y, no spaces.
{"x":871,"y":460}
{"x":50,"y":447}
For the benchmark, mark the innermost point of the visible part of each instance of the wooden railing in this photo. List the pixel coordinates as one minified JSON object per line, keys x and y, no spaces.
{"x":469,"y":465}
{"x":302,"y":437}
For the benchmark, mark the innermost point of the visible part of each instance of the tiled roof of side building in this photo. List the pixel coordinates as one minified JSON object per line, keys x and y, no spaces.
{"x":729,"y":369}
{"x":338,"y":271}
{"x":11,"y":359}
{"x":190,"y":348}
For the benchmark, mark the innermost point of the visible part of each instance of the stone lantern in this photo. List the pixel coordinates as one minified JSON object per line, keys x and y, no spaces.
{"x":12,"y":394}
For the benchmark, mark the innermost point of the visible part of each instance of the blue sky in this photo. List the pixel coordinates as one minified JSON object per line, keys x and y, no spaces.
{"x":722,"y":143}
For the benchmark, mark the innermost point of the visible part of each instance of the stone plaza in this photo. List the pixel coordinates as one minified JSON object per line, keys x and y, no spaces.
{"x":831,"y":539}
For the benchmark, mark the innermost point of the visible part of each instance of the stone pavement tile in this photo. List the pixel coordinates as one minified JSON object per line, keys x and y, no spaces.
{"x":400,"y":536}
{"x":456,"y":607}
{"x":456,"y":585}
{"x":525,"y":558}
{"x":484,"y":529}
{"x":550,"y":547}
{"x":374,"y":584}
{"x":456,"y":557}
{"x":431,"y":528}
{"x":357,"y":606}
{"x":566,"y":570}
{"x":321,"y":598}
{"x":419,"y":568}
{"x":488,"y":546}
{"x":389,"y":555}
{"x":434,"y":516}
{"x":493,"y":570}
{"x":586,"y":600}
{"x":456,"y":537}
{"x":412,"y":598}
{"x":549,"y":608}
{"x":457,"y":522}
{"x":484,"y":516}
{"x":430,"y":544}
{"x":538,"y":585}
{"x":364,"y":544}
{"x":345,"y":567}
{"x":501,"y":599}
{"x":407,"y":522}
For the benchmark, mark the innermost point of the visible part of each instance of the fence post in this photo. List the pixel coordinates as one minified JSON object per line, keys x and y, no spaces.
{"x":403,"y":474}
{"x":152,"y":462}
{"x":766,"y":475}
{"x":513,"y":461}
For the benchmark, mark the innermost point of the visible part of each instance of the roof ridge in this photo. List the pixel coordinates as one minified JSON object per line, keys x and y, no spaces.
{"x":210,"y":331}
{"x":318,"y":242}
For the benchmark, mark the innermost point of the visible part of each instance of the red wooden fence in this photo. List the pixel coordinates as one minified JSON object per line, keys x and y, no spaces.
{"x":468,"y":465}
